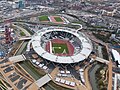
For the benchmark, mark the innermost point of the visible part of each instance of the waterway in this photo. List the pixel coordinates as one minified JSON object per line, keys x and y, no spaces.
{"x":92,"y":72}
{"x":30,"y":69}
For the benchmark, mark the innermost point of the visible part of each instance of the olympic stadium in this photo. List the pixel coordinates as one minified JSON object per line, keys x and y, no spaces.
{"x":61,"y":45}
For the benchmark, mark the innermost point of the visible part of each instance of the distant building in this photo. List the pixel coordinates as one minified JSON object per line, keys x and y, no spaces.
{"x":21,"y":4}
{"x":18,"y":4}
{"x":8,"y":35}
{"x":2,"y":30}
{"x":95,"y":0}
{"x":112,"y":36}
{"x":2,"y":54}
{"x":108,"y":13}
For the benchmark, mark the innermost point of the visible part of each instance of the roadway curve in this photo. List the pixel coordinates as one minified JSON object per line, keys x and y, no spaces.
{"x":22,"y":29}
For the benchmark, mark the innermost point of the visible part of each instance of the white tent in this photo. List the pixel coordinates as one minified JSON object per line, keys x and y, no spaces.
{"x":57,"y":79}
{"x":72,"y":84}
{"x":33,"y":60}
{"x":62,"y":81}
{"x":67,"y":82}
{"x":116,"y":55}
{"x":37,"y":63}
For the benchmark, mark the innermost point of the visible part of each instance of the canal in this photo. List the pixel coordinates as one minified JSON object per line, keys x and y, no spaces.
{"x":36,"y":73}
{"x":92,"y":72}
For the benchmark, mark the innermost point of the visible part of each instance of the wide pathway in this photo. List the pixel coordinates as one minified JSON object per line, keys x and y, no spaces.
{"x":87,"y":83}
{"x":110,"y":75}
{"x":22,"y":29}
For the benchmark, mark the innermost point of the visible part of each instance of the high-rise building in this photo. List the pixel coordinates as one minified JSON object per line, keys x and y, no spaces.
{"x":21,"y":4}
{"x":8,"y":35}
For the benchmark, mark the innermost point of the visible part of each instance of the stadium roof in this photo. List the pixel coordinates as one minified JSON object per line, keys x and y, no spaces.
{"x":86,"y":46}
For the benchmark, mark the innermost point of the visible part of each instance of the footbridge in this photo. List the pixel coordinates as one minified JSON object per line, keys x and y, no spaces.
{"x":25,"y":38}
{"x":40,"y":82}
{"x":18,"y":58}
{"x":102,"y":60}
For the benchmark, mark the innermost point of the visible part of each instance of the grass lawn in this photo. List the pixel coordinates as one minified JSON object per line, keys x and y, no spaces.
{"x":59,"y":48}
{"x":58,"y":19}
{"x":22,"y":33}
{"x":43,"y":18}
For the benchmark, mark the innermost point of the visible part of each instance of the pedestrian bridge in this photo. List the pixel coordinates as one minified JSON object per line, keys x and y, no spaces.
{"x":102,"y":60}
{"x":42,"y":81}
{"x":39,"y":83}
{"x":17,"y":58}
{"x":24,"y":38}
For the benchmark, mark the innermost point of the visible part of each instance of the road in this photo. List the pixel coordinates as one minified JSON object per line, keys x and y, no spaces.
{"x":22,"y":29}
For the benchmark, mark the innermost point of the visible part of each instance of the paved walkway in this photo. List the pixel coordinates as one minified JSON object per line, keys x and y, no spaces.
{"x":110,"y":75}
{"x":13,"y":70}
{"x":79,"y":85}
{"x":8,"y":80}
{"x":24,"y":38}
{"x":33,"y":87}
{"x":54,"y":72}
{"x":87,"y":83}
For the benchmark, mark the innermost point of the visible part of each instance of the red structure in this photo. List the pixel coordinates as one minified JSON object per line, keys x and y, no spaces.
{"x":8,"y":35}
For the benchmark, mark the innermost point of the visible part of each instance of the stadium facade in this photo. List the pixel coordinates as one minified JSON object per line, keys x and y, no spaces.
{"x":61,"y":45}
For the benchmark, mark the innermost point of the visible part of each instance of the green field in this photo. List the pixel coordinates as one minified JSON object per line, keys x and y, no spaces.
{"x":60,"y":48}
{"x":58,"y":19}
{"x":43,"y":18}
